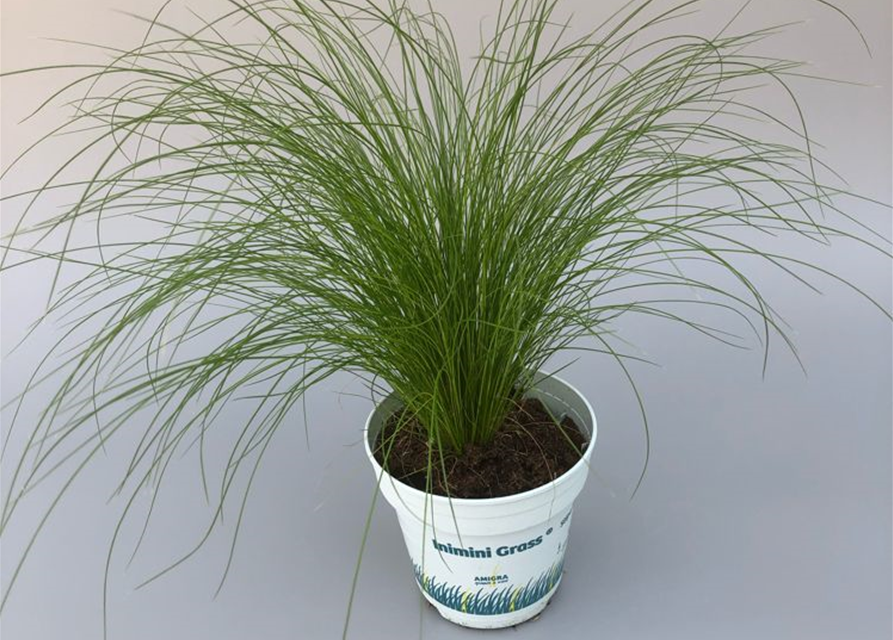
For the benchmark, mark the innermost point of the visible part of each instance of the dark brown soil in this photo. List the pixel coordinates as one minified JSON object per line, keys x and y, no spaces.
{"x":527,"y":452}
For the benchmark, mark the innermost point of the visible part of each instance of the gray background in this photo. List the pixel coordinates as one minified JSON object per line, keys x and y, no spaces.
{"x":766,"y":511}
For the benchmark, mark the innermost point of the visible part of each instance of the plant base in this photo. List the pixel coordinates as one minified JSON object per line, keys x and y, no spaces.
{"x":492,"y":562}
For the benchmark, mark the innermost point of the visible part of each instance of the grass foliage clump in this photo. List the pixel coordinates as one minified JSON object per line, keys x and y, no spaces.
{"x":332,"y":185}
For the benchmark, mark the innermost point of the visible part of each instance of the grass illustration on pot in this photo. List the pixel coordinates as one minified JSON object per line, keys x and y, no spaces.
{"x":488,"y":602}
{"x":295,"y":188}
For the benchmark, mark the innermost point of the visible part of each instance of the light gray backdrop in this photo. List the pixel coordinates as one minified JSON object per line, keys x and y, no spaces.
{"x":766,"y":512}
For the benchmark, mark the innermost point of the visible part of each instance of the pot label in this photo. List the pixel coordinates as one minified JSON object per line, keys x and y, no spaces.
{"x":491,"y":575}
{"x":488,"y":602}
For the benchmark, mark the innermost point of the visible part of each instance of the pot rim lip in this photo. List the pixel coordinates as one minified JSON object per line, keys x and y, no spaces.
{"x":515,"y":497}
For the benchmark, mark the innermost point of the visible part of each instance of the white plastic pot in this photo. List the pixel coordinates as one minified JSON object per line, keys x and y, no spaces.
{"x":494,"y":562}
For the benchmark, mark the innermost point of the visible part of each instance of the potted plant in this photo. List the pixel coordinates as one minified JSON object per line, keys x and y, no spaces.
{"x":315,"y":187}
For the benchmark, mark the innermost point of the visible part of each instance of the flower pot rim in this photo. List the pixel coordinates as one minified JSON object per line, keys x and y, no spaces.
{"x":530,"y":493}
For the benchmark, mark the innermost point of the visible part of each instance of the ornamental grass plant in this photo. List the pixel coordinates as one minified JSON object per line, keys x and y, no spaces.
{"x":325,"y":186}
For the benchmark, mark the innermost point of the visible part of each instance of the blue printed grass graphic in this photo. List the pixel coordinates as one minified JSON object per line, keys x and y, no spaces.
{"x":486,"y":602}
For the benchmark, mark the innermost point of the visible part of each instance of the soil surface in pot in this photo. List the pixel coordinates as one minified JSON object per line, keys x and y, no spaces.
{"x":529,"y":450}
